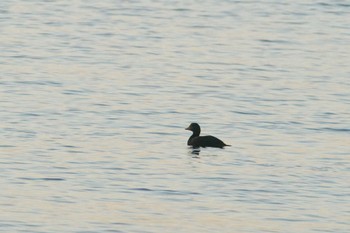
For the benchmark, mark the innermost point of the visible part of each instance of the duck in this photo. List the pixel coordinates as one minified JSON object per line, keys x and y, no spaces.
{"x":197,"y":141}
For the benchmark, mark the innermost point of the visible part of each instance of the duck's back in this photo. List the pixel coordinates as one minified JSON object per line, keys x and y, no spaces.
{"x":207,"y":141}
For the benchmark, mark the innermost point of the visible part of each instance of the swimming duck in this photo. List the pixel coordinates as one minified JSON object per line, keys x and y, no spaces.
{"x":203,"y":141}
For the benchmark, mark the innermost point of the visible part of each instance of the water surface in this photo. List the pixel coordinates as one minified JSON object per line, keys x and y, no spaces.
{"x":95,"y":97}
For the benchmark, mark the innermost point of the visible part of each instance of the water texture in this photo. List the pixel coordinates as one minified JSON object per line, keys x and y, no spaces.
{"x":95,"y":96}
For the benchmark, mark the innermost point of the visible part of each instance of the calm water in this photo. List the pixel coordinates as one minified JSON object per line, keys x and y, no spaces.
{"x":95,"y":96}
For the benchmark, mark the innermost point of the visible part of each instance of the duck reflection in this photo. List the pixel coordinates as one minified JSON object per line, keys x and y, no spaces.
{"x":195,"y":151}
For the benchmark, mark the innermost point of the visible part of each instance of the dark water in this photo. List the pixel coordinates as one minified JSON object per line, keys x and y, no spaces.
{"x":95,"y":97}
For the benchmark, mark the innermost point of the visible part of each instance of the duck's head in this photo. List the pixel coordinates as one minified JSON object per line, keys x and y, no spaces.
{"x":194,"y":127}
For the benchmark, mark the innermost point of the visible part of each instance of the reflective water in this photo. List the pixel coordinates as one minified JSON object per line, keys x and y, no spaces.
{"x":95,"y":96}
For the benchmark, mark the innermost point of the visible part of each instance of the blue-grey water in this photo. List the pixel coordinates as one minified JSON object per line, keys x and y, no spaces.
{"x":95,"y":96}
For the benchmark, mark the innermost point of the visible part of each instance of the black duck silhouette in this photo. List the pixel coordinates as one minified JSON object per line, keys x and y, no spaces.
{"x":197,"y":141}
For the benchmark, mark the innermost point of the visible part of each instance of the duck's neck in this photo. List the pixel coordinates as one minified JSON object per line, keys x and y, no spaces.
{"x":195,"y":134}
